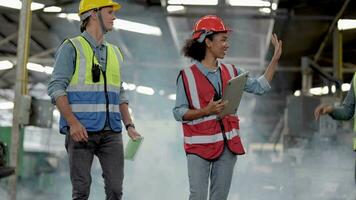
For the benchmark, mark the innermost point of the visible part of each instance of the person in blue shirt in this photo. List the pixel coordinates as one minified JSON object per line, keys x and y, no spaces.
{"x":86,"y":87}
{"x":198,"y":111}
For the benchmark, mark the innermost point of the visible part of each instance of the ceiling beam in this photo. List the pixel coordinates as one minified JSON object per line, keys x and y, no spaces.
{"x":330,"y":31}
{"x":8,"y":39}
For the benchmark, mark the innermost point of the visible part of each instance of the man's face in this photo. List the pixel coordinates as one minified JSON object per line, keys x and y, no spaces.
{"x":108,"y":15}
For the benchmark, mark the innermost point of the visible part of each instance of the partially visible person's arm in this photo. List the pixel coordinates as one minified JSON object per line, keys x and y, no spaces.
{"x":343,"y":112}
{"x":347,"y":108}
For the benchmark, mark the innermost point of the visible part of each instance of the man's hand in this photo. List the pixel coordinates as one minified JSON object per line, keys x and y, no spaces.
{"x":134,"y":135}
{"x":215,"y":107}
{"x":322,"y":109}
{"x":78,"y":132}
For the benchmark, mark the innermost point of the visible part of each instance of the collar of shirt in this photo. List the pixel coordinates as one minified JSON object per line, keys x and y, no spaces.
{"x":92,"y":41}
{"x":205,"y":70}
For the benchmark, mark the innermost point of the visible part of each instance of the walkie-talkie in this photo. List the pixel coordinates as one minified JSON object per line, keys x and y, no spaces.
{"x":95,"y":71}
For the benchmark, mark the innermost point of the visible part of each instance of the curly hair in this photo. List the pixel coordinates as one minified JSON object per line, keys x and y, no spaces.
{"x":194,"y":49}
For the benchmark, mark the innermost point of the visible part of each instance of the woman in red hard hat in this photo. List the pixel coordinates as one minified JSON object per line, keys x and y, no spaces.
{"x":210,"y":142}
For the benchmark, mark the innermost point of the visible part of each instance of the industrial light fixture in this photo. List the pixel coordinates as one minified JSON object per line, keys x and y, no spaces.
{"x":35,"y":67}
{"x":274,"y":6}
{"x":6,"y":105}
{"x":324,"y":90}
{"x":128,"y":86}
{"x":5,"y":64}
{"x":121,"y":24}
{"x":145,"y":90}
{"x":137,"y":27}
{"x":297,"y":93}
{"x":52,"y":9}
{"x":346,"y":24}
{"x":193,"y":2}
{"x":265,"y":10}
{"x":17,"y":4}
{"x":172,"y":96}
{"x":177,"y":8}
{"x":48,"y":69}
{"x":69,"y":16}
{"x":249,"y":3}
{"x":345,"y":87}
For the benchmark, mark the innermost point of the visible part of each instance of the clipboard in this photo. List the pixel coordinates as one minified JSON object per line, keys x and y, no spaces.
{"x":131,"y":148}
{"x":233,"y":93}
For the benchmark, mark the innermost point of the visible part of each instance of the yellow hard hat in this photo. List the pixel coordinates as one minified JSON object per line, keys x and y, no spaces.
{"x":86,"y":5}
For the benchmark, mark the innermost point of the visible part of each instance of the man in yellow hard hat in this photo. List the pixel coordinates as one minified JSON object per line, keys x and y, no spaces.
{"x":86,"y":88}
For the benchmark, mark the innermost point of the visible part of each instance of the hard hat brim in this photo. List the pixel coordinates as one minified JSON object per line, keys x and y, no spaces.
{"x":197,"y":34}
{"x":114,"y":5}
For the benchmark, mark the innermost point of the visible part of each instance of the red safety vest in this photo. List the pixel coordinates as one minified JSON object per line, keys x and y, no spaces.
{"x":204,"y":136}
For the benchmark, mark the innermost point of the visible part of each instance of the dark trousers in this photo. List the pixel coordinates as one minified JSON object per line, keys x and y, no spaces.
{"x":108,"y":147}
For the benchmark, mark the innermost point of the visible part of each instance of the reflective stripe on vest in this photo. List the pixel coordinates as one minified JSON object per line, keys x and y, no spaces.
{"x":211,"y":138}
{"x":92,"y":103}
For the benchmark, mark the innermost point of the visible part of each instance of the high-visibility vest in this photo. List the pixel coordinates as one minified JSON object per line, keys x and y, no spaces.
{"x":94,"y":103}
{"x":205,"y":136}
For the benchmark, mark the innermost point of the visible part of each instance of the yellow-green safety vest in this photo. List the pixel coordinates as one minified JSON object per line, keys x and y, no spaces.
{"x":94,"y":103}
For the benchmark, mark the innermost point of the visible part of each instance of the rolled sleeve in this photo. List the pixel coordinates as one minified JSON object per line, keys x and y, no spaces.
{"x":63,"y":70}
{"x":181,"y":106}
{"x":179,"y":112}
{"x":123,"y":97}
{"x":253,"y":85}
{"x":347,"y":109}
{"x":264,"y":83}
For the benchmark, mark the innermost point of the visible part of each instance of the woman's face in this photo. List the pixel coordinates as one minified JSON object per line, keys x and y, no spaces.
{"x":219,"y":45}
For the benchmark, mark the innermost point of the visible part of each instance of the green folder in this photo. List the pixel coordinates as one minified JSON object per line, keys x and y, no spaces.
{"x":132,"y":147}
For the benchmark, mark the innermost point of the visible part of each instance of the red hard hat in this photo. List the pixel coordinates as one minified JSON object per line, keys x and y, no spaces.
{"x":208,"y":23}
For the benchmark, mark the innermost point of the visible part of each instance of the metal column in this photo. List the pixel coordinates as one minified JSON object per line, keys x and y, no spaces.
{"x":337,"y":57}
{"x":337,"y":54}
{"x":307,"y":76}
{"x":20,"y":87}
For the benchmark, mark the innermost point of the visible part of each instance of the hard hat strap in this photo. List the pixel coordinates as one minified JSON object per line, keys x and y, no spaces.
{"x":85,"y":15}
{"x":203,"y":35}
{"x":101,"y":22}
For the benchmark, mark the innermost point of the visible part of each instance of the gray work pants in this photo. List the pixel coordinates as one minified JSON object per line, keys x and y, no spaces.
{"x":108,"y":147}
{"x":219,"y":172}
